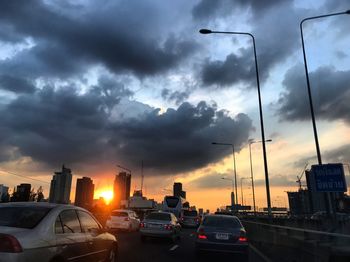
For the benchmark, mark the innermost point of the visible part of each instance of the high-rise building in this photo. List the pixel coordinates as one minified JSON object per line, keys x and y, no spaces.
{"x":122,"y":184}
{"x":4,"y":195}
{"x":21,"y":193}
{"x":177,"y":190}
{"x":84,"y":192}
{"x":60,"y":186}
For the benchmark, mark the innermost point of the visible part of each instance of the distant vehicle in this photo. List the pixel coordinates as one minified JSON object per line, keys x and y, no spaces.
{"x":124,"y":220}
{"x":190,"y":218}
{"x":221,"y":233}
{"x":45,"y":232}
{"x":223,"y":213}
{"x":160,"y":224}
{"x":173,"y":204}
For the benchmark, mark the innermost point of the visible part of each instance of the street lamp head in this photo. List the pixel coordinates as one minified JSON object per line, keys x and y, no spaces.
{"x":214,"y":143}
{"x":205,"y":31}
{"x":348,"y":12}
{"x":268,"y":140}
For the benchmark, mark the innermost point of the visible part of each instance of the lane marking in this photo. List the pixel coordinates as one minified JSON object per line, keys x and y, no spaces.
{"x":257,"y":251}
{"x":173,"y":248}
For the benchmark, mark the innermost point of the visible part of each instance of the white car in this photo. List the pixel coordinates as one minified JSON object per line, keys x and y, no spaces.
{"x":123,"y":219}
{"x":45,"y":232}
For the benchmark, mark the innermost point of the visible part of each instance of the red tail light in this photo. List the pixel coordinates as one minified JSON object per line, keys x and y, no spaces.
{"x":9,"y":244}
{"x":201,"y":234}
{"x":243,"y":239}
{"x":168,"y":227}
{"x":142,"y":224}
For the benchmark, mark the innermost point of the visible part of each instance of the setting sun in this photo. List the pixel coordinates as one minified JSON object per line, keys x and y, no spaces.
{"x":107,"y":194}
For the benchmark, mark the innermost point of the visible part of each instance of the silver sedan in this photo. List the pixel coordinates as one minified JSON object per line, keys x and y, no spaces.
{"x":51,"y":232}
{"x":160,"y":224}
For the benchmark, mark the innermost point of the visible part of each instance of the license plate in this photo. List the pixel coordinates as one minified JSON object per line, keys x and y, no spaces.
{"x":222,"y":236}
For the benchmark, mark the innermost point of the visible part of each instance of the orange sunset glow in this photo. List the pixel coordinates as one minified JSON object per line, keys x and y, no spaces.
{"x":106,"y":193}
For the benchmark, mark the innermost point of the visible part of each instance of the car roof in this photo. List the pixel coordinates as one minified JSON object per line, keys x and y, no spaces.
{"x":40,"y":204}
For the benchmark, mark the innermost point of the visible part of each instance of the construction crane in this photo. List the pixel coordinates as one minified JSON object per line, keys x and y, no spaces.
{"x":301,"y":176}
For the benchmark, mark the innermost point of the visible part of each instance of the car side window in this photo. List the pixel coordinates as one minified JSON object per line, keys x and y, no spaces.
{"x":70,"y":221}
{"x":88,"y":223}
{"x":58,"y":226}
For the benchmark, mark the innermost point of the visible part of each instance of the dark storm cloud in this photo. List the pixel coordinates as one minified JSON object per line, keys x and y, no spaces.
{"x":275,"y":39}
{"x":177,"y":97}
{"x":179,"y":140}
{"x":65,"y":44}
{"x":330,"y":92}
{"x":207,"y":8}
{"x":54,"y":126}
{"x":16,"y":84}
{"x":60,"y":125}
{"x":234,"y":69}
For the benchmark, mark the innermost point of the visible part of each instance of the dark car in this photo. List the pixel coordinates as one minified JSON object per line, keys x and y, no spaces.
{"x":221,"y":233}
{"x":190,"y":218}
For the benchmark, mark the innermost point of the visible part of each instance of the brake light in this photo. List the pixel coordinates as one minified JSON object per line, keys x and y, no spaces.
{"x":168,"y":227}
{"x":243,"y":239}
{"x":9,"y":244}
{"x":201,"y":234}
{"x":142,"y":224}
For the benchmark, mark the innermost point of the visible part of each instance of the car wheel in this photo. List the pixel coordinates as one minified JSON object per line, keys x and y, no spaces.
{"x":112,"y":255}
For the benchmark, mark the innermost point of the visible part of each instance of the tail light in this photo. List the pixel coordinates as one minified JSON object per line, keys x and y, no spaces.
{"x":201,"y":235}
{"x":243,"y":237}
{"x":9,"y":244}
{"x":168,"y":227}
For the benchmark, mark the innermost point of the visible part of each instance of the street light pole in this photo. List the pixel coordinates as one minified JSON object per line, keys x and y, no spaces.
{"x":242,"y":178}
{"x":234,"y":164}
{"x":318,"y":151}
{"x":268,"y":197}
{"x":251,"y":141}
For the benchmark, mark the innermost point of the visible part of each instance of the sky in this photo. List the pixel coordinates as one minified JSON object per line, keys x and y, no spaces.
{"x":93,"y":86}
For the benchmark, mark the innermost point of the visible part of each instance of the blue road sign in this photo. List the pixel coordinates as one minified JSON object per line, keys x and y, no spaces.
{"x":329,"y":177}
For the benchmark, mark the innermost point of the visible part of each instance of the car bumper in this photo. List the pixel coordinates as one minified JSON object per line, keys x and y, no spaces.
{"x":156,"y":233}
{"x":222,"y":247}
{"x":114,"y":225}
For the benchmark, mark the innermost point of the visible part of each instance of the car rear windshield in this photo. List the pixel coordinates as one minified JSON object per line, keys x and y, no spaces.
{"x":159,"y":216}
{"x":22,"y":217}
{"x":172,"y":201}
{"x":119,"y":214}
{"x":190,"y":213}
{"x":224,"y":222}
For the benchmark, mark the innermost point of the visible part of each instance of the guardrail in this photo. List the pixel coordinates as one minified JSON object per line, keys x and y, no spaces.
{"x":291,"y":244}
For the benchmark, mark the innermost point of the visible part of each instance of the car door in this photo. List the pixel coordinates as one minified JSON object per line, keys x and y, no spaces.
{"x":98,"y":246}
{"x":70,"y":240}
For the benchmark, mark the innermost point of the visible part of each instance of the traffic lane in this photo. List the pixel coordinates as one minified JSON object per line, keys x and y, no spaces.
{"x":131,"y":249}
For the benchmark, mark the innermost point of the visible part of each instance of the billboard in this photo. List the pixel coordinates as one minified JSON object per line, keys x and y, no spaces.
{"x":329,"y":178}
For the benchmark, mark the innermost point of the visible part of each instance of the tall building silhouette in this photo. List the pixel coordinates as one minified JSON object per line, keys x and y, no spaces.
{"x":122,"y":184}
{"x":84,"y":192}
{"x":60,"y":186}
{"x":177,"y":190}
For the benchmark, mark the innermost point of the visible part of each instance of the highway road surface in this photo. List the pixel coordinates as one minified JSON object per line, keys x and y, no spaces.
{"x":131,"y":249}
